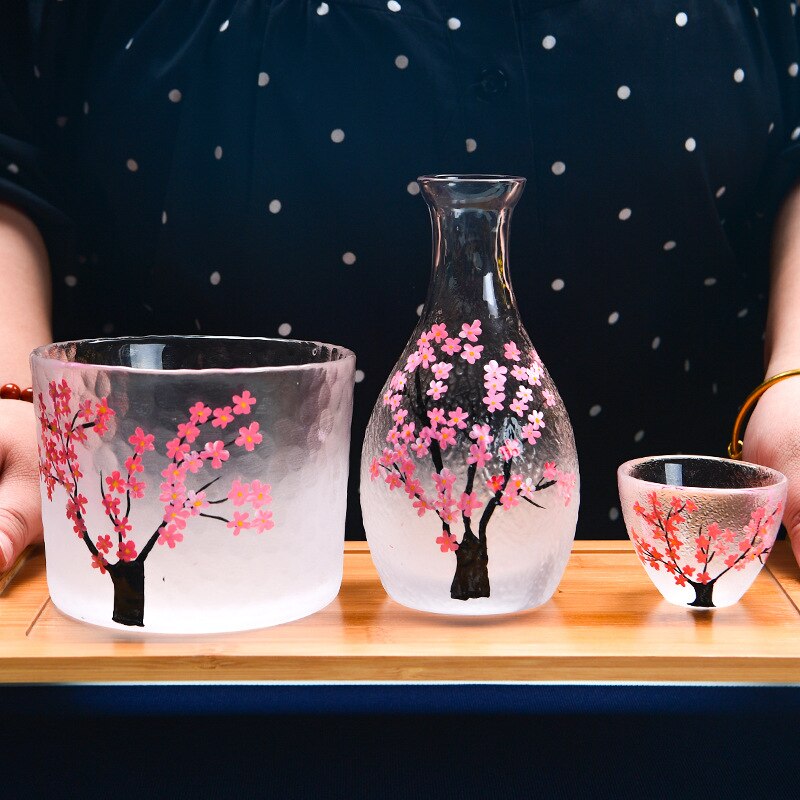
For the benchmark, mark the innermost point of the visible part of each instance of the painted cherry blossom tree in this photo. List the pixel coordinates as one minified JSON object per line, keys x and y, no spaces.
{"x":450,"y":396}
{"x":64,"y":431}
{"x":716,"y":551}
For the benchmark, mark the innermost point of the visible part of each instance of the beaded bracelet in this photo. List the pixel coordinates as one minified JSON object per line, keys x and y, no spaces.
{"x":735,"y":445}
{"x":12,"y":392}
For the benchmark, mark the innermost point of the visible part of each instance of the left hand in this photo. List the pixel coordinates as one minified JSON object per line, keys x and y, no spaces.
{"x":772,"y":438}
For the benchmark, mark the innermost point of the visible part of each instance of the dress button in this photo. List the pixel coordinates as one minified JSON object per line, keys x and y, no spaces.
{"x":491,"y":84}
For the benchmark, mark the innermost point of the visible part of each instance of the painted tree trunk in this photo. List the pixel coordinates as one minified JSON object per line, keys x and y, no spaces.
{"x":128,"y":579}
{"x":472,"y":569}
{"x":702,"y":592}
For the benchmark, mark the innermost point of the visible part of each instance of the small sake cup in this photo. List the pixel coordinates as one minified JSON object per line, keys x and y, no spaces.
{"x":701,"y":526}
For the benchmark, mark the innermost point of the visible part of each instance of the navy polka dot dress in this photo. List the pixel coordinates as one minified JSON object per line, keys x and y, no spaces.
{"x":245,"y":166}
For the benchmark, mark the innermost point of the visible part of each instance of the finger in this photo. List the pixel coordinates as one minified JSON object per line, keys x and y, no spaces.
{"x":20,"y":515}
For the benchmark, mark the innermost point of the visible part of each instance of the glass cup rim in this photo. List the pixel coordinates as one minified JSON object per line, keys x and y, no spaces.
{"x":779,"y":479}
{"x":39,"y":354}
{"x":470,"y":178}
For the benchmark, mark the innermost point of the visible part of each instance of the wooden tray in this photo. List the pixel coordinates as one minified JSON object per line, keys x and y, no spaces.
{"x":605,"y":623}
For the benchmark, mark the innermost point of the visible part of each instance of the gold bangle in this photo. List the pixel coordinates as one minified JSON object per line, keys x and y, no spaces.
{"x":735,"y":445}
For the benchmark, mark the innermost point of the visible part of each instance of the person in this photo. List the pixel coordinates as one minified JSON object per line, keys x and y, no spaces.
{"x":249,"y":167}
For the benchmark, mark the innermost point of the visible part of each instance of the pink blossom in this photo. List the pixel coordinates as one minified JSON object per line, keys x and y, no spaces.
{"x":99,"y":562}
{"x":176,"y":515}
{"x":262,"y":521}
{"x":436,"y":416}
{"x":374,"y":469}
{"x":479,"y":455}
{"x":393,"y":481}
{"x":458,"y":418}
{"x":420,"y":447}
{"x":199,"y":412}
{"x":447,"y":542}
{"x":427,"y":357}
{"x":495,"y":483}
{"x":437,"y":389}
{"x":471,"y":332}
{"x":524,"y":394}
{"x":509,"y":500}
{"x":188,"y":431}
{"x":446,"y":437}
{"x":408,"y":432}
{"x":398,"y":382}
{"x":399,"y":416}
{"x":393,"y":437}
{"x":494,"y":370}
{"x":127,"y":550}
{"x":122,"y":527}
{"x":242,"y":402}
{"x":421,"y":504}
{"x":216,"y":452}
{"x":512,"y":351}
{"x":444,"y":481}
{"x":176,"y":450}
{"x":472,"y":352}
{"x":104,"y":544}
{"x":535,"y":374}
{"x":441,"y":370}
{"x":259,"y":494}
{"x":240,"y":522}
{"x":494,"y":384}
{"x":530,"y":434}
{"x":102,"y":409}
{"x":169,"y":535}
{"x":111,"y":505}
{"x":413,"y":361}
{"x":395,"y":401}
{"x":550,"y":472}
{"x":134,"y":464}
{"x":511,"y":449}
{"x":424,"y":339}
{"x":116,"y":483}
{"x":549,"y":397}
{"x":703,"y":577}
{"x":222,"y":417}
{"x":249,"y":437}
{"x":175,"y":473}
{"x":518,"y":407}
{"x":451,"y":346}
{"x":142,"y":441}
{"x":239,"y":492}
{"x":468,"y":503}
{"x":494,"y":401}
{"x":439,"y":331}
{"x":413,"y":487}
{"x":520,"y":373}
{"x":196,"y":502}
{"x":536,"y":418}
{"x":387,"y":397}
{"x":193,"y":462}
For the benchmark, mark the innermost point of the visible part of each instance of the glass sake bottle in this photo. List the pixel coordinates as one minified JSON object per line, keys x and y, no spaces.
{"x":469,"y":473}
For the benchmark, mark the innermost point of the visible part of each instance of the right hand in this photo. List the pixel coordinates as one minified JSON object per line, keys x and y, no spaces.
{"x":20,"y":501}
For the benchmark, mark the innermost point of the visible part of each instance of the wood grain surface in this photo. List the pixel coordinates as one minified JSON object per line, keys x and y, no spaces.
{"x":606,"y":622}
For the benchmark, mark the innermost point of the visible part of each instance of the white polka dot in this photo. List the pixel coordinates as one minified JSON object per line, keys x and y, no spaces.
{"x":624,"y":214}
{"x":711,"y":281}
{"x":793,"y":8}
{"x":70,"y":280}
{"x":771,"y":127}
{"x":323,"y":9}
{"x":638,"y":436}
{"x":131,"y":165}
{"x":61,"y":121}
{"x":714,"y":388}
{"x":337,"y":135}
{"x":393,"y":5}
{"x":85,"y":107}
{"x":13,"y":169}
{"x":214,"y":278}
{"x":349,"y":258}
{"x":37,"y":74}
{"x":656,"y":343}
{"x":681,"y":19}
{"x":413,"y":188}
{"x":275,"y":206}
{"x":741,"y":313}
{"x":719,"y":192}
{"x":549,"y":42}
{"x":284,"y":329}
{"x":613,"y":318}
{"x":128,"y":46}
{"x":670,"y":245}
{"x":197,"y":323}
{"x":558,"y":167}
{"x":224,"y":26}
{"x":795,"y":134}
{"x":401,"y":62}
{"x":359,"y":376}
{"x":624,"y":92}
{"x":595,"y":410}
{"x":690,"y":144}
{"x":738,"y":75}
{"x":687,"y":365}
{"x":175,"y":95}
{"x":613,"y":513}
{"x":557,"y":285}
{"x":263,"y":79}
{"x":218,"y":152}
{"x":793,"y":69}
{"x":163,"y":217}
{"x":454,"y":23}
{"x":419,"y":309}
{"x":756,"y":11}
{"x":472,"y":145}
